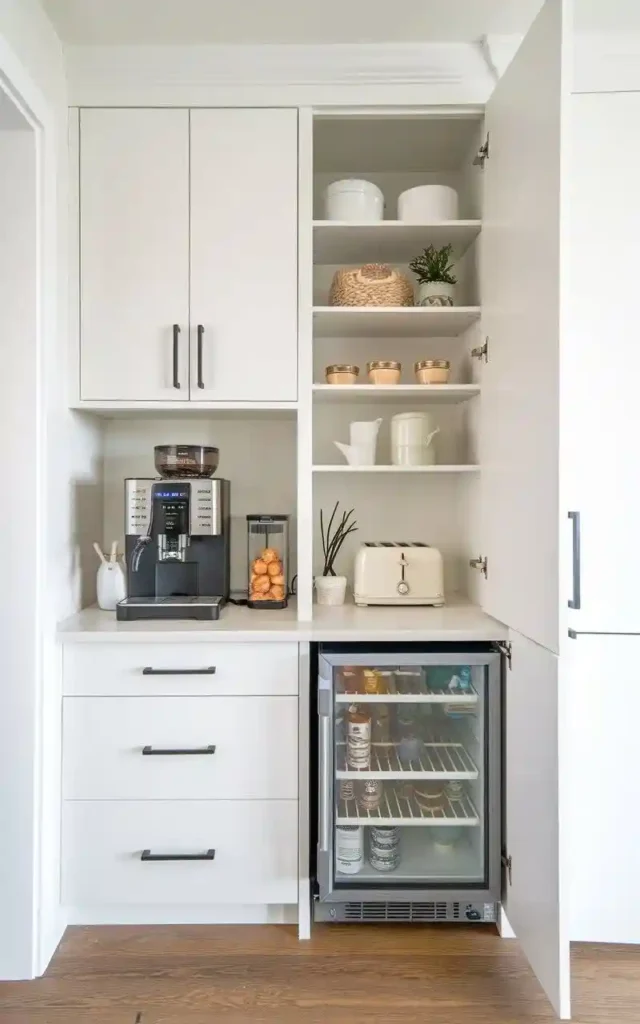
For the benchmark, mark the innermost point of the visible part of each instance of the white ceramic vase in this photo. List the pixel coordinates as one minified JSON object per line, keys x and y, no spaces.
{"x":331,"y":590}
{"x":110,"y":585}
{"x":435,"y":293}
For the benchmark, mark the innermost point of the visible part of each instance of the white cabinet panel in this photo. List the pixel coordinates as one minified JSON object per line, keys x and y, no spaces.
{"x":244,"y":254}
{"x":134,"y":254}
{"x":601,"y":359}
{"x":521,"y":308}
{"x":248,"y":748}
{"x":157,"y":669}
{"x":536,"y":902}
{"x":604,"y":827}
{"x":255,"y":844}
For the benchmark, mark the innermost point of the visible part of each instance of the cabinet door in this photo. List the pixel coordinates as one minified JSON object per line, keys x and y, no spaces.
{"x":521,"y":318}
{"x":134,"y":254}
{"x":604,"y":828}
{"x":535,"y":899}
{"x":244,"y":255}
{"x":601,"y":360}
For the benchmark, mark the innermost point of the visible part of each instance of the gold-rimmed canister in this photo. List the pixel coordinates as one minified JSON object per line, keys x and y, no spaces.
{"x":432,"y":371}
{"x":342,"y":373}
{"x":383,"y":371}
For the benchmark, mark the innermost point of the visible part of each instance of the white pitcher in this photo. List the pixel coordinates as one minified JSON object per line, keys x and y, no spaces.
{"x":364,"y":438}
{"x":412,"y":435}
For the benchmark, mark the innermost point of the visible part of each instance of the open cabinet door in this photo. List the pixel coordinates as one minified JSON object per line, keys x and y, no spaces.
{"x":535,"y":898}
{"x":520,"y":294}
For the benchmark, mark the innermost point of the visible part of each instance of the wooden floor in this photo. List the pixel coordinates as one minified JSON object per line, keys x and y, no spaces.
{"x":346,"y":974}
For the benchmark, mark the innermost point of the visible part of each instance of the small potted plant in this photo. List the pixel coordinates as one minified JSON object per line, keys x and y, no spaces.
{"x":330,"y":587}
{"x":436,"y":282}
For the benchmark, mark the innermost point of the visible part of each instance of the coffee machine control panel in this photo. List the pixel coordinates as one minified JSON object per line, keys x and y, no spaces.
{"x":197,"y":499}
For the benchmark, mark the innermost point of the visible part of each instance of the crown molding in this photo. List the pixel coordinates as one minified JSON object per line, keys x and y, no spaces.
{"x":141,"y":74}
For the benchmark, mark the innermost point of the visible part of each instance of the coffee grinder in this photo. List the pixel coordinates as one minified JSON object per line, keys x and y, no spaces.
{"x":177,"y":538}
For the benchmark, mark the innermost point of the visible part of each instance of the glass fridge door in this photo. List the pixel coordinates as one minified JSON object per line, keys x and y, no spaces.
{"x":410,"y":780}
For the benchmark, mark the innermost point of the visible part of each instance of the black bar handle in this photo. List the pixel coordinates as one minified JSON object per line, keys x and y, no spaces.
{"x":147,"y":751}
{"x":176,"y":354}
{"x":148,"y":671}
{"x":575,"y":601}
{"x":148,"y":855}
{"x":200,"y":337}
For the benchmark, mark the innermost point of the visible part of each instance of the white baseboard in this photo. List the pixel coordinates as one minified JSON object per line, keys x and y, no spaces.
{"x":172,"y":914}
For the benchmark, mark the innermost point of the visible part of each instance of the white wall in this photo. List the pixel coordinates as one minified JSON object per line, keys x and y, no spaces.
{"x":31,"y":59}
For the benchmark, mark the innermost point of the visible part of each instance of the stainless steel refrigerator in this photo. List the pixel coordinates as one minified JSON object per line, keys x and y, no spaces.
{"x":409,"y":783}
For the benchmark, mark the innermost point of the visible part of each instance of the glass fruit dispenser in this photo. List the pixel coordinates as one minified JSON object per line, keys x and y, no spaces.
{"x":268,"y":561}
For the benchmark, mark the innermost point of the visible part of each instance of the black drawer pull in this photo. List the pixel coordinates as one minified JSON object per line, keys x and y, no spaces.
{"x":179,"y":750}
{"x":148,"y":671}
{"x":148,"y":855}
{"x":176,"y":356}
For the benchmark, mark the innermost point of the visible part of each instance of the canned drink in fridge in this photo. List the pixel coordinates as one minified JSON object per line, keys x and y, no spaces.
{"x":349,"y":849}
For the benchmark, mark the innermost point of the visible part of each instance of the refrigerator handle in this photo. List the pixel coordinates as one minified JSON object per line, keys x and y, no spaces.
{"x":575,"y":600}
{"x":325,"y":807}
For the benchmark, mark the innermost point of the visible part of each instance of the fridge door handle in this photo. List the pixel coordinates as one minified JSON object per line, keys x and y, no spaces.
{"x":575,"y":601}
{"x":324,"y":804}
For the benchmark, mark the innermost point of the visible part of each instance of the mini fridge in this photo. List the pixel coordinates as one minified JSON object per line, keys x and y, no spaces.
{"x":409,"y":783}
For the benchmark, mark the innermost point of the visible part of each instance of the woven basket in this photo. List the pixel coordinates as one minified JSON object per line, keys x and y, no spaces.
{"x":372,"y":285}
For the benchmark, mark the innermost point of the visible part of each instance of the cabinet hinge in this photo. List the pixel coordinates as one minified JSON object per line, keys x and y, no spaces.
{"x":481,"y":351}
{"x":481,"y":564}
{"x":482,"y":154}
{"x":505,"y":649}
{"x":507,"y":864}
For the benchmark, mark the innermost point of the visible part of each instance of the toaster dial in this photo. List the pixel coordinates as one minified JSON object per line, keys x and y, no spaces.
{"x":403,"y":588}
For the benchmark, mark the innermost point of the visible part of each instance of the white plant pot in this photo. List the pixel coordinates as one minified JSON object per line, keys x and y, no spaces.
{"x":435,"y":293}
{"x":331,"y":590}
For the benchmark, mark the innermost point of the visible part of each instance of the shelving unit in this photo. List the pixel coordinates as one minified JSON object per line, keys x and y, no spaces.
{"x":403,"y":694}
{"x":393,"y":321}
{"x":438,"y":760}
{"x":451,"y":394}
{"x":340,"y":242}
{"x":396,"y":810}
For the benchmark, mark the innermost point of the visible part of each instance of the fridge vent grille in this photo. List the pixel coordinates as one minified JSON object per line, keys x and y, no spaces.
{"x":402,"y":912}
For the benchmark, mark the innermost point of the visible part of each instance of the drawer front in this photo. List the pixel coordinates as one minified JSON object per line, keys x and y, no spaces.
{"x":254,"y":842}
{"x":109,"y":669}
{"x":240,"y":748}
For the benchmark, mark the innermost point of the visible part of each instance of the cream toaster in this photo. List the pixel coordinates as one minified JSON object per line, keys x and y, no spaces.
{"x":398,"y":572}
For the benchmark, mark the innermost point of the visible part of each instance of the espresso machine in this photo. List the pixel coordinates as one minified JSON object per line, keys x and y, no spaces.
{"x":177,"y":547}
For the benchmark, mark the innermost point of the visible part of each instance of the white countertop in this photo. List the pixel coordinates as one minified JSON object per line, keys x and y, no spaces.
{"x":457,"y":621}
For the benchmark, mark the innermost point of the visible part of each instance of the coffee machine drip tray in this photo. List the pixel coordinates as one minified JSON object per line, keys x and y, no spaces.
{"x":188,"y":607}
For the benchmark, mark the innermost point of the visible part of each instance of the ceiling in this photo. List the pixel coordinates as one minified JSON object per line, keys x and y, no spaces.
{"x":184,"y":22}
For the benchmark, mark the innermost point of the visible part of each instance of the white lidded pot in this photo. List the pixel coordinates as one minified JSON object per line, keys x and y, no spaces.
{"x":353,"y":199}
{"x":426,"y":203}
{"x":412,"y":435}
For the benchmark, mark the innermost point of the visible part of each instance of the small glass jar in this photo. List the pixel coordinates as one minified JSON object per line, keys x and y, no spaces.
{"x":432,"y":371}
{"x":268,"y":561}
{"x":384,"y":372}
{"x":341,"y":373}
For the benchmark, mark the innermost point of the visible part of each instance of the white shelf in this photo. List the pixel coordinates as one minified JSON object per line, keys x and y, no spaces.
{"x":451,"y":394}
{"x":421,"y":860}
{"x":395,"y":469}
{"x":393,"y":321}
{"x":388,"y":241}
{"x":437,"y":760}
{"x":395,"y":810}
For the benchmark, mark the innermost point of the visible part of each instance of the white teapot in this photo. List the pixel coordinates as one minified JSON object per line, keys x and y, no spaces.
{"x":364,"y":438}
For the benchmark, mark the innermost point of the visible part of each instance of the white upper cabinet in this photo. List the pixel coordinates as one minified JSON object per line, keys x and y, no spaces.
{"x":244,"y":255}
{"x":601,"y":361}
{"x":520,"y":282}
{"x":134,"y":255}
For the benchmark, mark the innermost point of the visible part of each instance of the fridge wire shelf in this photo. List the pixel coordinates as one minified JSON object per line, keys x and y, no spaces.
{"x":405,"y":690}
{"x":437,"y":760}
{"x":397,"y":810}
